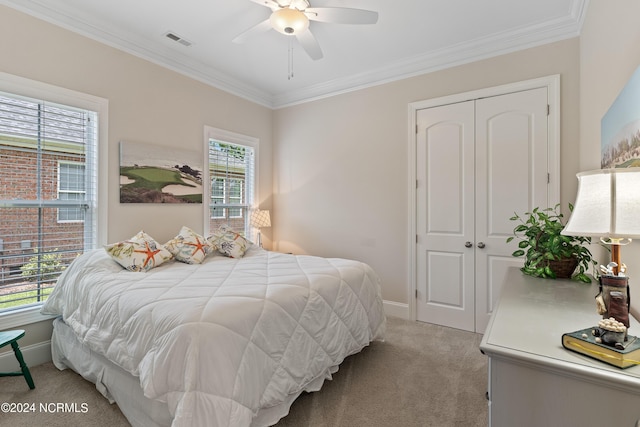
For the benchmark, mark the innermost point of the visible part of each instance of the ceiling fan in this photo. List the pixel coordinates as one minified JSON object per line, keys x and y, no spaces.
{"x":291,"y":17}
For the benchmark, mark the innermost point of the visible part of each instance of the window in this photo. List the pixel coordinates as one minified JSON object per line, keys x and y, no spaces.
{"x":71,"y":181}
{"x":232,"y":171}
{"x":48,"y":191}
{"x":227,"y":192}
{"x":217,"y":198}
{"x":235,"y":197}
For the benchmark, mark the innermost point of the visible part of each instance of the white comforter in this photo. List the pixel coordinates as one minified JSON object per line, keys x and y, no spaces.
{"x":220,"y":340}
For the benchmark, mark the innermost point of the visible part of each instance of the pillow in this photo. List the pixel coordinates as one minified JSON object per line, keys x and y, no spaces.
{"x":140,"y":253}
{"x":188,"y":246}
{"x":228,"y":242}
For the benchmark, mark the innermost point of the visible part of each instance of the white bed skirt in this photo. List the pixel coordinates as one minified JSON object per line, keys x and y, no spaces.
{"x":120,"y":387}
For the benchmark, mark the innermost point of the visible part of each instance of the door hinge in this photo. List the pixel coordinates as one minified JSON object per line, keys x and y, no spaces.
{"x":548,"y":109}
{"x":548,"y":178}
{"x":416,"y":294}
{"x":416,"y":129}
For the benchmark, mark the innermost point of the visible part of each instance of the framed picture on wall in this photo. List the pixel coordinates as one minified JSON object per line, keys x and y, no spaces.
{"x":620,"y":128}
{"x":152,"y":173}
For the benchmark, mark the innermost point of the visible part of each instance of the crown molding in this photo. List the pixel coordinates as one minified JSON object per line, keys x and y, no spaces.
{"x":464,"y":53}
{"x":139,"y":48}
{"x":495,"y":45}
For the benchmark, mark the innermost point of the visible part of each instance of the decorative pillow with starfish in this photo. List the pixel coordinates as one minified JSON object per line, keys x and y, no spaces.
{"x":140,"y":253}
{"x":228,"y":242}
{"x":188,"y":246}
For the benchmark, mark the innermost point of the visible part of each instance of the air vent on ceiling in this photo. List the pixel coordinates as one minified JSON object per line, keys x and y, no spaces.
{"x":176,"y":38}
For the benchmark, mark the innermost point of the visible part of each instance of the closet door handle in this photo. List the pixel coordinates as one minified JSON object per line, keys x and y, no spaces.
{"x":468,"y":244}
{"x":481,"y":245}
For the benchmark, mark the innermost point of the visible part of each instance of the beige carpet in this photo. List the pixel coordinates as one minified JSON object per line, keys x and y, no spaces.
{"x":422,"y":375}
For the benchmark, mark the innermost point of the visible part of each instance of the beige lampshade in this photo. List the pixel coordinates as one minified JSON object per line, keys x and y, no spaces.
{"x":260,"y":218}
{"x":607,"y":205}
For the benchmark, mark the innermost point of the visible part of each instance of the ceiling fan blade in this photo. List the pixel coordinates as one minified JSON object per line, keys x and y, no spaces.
{"x":269,"y":3}
{"x":341,"y":15}
{"x":310,"y":44}
{"x":262,"y":27}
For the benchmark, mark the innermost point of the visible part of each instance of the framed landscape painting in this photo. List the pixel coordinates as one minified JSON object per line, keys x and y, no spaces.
{"x":620,"y":128}
{"x":155,"y":174}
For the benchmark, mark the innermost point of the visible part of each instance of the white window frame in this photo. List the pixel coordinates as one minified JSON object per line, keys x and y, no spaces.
{"x":33,"y":89}
{"x":252,"y":194}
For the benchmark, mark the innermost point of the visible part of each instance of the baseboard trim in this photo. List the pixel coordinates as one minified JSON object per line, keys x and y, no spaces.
{"x":34,"y":354}
{"x":396,"y":309}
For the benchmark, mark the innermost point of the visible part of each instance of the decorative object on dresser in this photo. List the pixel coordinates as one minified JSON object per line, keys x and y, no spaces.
{"x":260,"y":219}
{"x":547,"y":252}
{"x":608,"y":207}
{"x":584,"y":342}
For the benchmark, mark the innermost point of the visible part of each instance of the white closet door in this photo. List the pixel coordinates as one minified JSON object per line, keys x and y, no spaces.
{"x":477,"y":163}
{"x":511,"y":176}
{"x":445,"y":215}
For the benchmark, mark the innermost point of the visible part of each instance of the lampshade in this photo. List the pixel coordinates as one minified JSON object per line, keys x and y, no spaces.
{"x":289,"y":21}
{"x":260,"y":218}
{"x":607,"y":205}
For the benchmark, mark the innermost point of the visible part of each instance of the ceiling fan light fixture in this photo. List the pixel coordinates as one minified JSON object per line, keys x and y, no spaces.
{"x":289,"y":21}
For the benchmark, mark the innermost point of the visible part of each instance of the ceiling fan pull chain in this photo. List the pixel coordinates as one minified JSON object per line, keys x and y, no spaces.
{"x":290,"y":57}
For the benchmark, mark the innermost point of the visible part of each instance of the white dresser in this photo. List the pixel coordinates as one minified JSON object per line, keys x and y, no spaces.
{"x":533,"y":380}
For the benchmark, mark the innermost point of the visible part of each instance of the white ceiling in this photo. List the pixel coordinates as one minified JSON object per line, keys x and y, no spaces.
{"x":411,"y":37}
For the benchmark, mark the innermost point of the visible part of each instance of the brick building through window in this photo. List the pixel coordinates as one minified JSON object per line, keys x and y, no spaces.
{"x":47,"y":191}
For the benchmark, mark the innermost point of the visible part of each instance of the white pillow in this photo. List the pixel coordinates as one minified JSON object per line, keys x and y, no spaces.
{"x":140,"y":253}
{"x":188,"y":246}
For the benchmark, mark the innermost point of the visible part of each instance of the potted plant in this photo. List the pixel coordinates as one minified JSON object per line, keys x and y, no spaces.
{"x":548,"y":253}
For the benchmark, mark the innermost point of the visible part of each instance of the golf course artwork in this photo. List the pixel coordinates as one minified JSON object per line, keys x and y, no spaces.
{"x":156,"y":174}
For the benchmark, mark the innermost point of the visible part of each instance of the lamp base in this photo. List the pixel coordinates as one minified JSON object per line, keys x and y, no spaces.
{"x":614,"y":298}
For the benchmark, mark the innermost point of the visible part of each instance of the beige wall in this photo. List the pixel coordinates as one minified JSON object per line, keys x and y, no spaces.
{"x":341,"y":180}
{"x":147,"y":103}
{"x":339,"y":164}
{"x":609,"y":54}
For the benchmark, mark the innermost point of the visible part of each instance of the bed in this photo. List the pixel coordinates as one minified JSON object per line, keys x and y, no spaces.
{"x":227,"y":342}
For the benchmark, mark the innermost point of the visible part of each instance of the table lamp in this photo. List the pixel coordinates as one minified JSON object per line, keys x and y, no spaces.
{"x":260,"y":219}
{"x":608,"y":207}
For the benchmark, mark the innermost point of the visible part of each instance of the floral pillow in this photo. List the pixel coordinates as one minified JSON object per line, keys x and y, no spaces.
{"x":228,"y":242}
{"x":140,"y":253}
{"x":188,"y":246}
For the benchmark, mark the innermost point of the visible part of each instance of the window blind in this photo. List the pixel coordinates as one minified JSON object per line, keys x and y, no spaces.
{"x":47,"y":194}
{"x":231,"y":171}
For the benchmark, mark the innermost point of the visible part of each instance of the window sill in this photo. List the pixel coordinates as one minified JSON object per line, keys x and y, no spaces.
{"x":22,"y":317}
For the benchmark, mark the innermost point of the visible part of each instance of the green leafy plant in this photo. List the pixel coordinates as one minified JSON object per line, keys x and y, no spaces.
{"x":47,"y":266}
{"x":542,"y":245}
